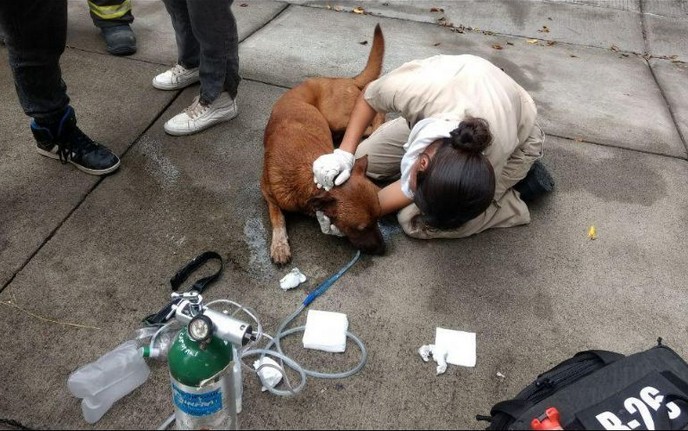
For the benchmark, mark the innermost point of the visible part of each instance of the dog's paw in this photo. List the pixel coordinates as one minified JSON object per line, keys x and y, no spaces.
{"x":280,"y":253}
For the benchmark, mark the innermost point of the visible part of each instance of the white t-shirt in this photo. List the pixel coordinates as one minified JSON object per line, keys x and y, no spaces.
{"x":424,"y":133}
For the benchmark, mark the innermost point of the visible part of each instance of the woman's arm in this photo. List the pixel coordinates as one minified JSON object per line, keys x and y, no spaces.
{"x":392,"y":199}
{"x":361,"y":117}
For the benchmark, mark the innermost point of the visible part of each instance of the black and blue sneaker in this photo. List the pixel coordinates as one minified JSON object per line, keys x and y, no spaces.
{"x":66,"y":142}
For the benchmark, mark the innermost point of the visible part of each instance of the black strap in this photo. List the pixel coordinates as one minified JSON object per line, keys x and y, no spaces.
{"x":194,"y":264}
{"x":505,"y":412}
{"x":512,"y":408}
{"x":200,"y":285}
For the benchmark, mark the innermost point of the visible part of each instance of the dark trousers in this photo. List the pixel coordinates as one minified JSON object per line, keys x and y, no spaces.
{"x":207,"y":38}
{"x":36,"y":33}
{"x":109,"y":13}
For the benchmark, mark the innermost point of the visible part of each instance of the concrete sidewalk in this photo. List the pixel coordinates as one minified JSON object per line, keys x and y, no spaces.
{"x":608,"y":78}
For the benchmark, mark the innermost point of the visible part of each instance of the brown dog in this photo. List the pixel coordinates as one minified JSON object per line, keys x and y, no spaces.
{"x":300,"y":130}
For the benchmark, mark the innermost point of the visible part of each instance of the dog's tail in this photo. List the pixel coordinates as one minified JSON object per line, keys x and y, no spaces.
{"x":374,"y":66}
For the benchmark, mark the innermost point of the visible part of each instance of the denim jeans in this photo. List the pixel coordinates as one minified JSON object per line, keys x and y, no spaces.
{"x":36,"y":35}
{"x":207,"y":38}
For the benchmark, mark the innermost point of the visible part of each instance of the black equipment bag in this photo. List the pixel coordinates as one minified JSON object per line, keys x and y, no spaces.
{"x":598,"y":389}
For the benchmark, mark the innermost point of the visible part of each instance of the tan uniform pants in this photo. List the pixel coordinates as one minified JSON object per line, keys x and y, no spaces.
{"x":384,"y":149}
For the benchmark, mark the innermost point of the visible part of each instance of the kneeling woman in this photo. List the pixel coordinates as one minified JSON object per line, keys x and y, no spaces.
{"x":462,"y":154}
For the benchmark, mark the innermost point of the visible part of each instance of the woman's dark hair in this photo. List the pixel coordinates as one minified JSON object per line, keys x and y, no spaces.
{"x":459,"y":182}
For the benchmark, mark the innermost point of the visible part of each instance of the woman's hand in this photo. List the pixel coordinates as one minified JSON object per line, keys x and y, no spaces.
{"x":333,"y":169}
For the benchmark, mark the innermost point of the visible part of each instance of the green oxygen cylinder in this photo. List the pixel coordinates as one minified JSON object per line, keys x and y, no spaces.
{"x":202,"y":383}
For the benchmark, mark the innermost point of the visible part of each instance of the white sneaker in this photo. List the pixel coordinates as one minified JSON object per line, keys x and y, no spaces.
{"x":176,"y":78}
{"x":198,"y":117}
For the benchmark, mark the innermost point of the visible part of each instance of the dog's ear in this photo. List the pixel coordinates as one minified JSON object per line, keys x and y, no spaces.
{"x":321,"y":201}
{"x":361,"y":165}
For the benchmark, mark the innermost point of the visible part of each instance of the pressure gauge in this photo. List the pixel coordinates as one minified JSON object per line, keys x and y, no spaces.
{"x":200,"y":328}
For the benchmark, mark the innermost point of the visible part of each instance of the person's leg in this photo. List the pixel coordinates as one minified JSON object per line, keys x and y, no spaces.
{"x":114,"y":17}
{"x":385,"y":149}
{"x":214,"y":27}
{"x":188,"y":48}
{"x":538,"y":180}
{"x":185,"y":72}
{"x":36,"y":36}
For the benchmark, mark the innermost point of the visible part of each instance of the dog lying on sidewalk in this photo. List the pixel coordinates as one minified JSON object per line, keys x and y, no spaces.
{"x":300,"y":129}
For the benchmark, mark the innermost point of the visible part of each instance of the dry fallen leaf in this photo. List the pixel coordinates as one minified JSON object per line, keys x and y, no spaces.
{"x":443,"y":22}
{"x":497,"y":46}
{"x":436,"y":9}
{"x":359,"y":10}
{"x":532,"y":41}
{"x":592,"y":232}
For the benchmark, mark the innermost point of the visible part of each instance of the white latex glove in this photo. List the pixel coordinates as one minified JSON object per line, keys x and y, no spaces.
{"x":325,"y":226}
{"x":333,"y":169}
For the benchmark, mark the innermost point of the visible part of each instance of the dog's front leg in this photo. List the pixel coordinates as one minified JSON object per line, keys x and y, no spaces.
{"x":279,"y":249}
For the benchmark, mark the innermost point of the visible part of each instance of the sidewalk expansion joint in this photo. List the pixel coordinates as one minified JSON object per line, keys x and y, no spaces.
{"x":671,"y":111}
{"x":279,"y":13}
{"x":635,"y":150}
{"x":486,"y":32}
{"x":52,"y":233}
{"x":86,"y":195}
{"x":128,"y":58}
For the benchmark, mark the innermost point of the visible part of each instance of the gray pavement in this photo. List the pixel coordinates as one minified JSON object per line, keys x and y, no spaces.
{"x":609,"y":81}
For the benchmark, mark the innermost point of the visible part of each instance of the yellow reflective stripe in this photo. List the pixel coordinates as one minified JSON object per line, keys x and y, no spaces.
{"x":110,"y":12}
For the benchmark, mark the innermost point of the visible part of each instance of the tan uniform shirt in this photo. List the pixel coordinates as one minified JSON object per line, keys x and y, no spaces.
{"x":456,"y":87}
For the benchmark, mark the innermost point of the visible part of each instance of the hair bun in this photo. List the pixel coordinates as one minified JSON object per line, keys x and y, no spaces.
{"x":473,"y":135}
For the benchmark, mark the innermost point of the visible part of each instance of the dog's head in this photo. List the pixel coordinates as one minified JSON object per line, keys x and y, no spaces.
{"x":354,"y":209}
